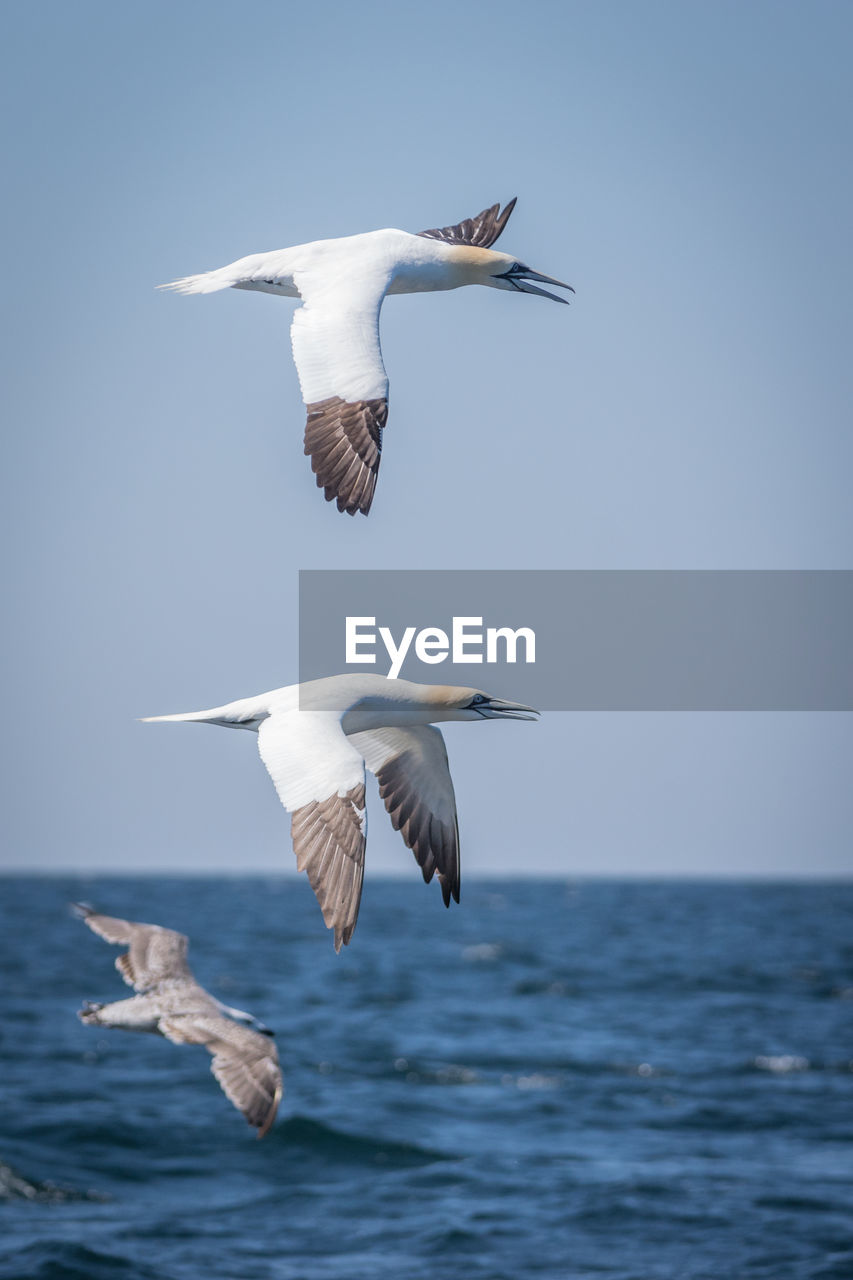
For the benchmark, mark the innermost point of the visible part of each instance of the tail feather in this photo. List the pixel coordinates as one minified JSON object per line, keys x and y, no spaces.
{"x":199,"y":716}
{"x":205,"y":282}
{"x":247,"y":713}
{"x":267,"y":272}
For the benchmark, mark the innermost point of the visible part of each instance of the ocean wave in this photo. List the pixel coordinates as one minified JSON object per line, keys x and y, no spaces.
{"x":316,"y":1139}
{"x":653,"y":1088}
{"x":59,"y":1260}
{"x":781,"y":1063}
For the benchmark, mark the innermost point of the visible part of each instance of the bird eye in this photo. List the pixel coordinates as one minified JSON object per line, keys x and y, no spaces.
{"x":477,"y":699}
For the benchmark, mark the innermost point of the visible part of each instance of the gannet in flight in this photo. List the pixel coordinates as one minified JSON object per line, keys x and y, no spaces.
{"x":315,"y":740}
{"x":335,"y":333}
{"x":172,"y":1004}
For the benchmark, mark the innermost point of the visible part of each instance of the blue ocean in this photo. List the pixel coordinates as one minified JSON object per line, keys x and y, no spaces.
{"x":645,"y":1081}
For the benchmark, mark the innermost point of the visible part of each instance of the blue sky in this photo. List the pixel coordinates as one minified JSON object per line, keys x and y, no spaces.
{"x":685,"y":167}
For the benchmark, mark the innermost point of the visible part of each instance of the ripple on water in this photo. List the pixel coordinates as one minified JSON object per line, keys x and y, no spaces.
{"x":318,"y":1140}
{"x":59,"y":1260}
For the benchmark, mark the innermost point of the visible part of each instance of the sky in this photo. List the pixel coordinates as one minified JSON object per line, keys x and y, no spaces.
{"x":684,"y":166}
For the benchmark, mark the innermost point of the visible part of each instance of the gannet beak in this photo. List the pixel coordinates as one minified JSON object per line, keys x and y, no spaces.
{"x":519,"y":277}
{"x":521,"y":281}
{"x":498,"y":709}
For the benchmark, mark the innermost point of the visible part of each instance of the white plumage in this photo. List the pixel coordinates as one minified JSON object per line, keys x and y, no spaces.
{"x":335,"y":333}
{"x":316,"y":739}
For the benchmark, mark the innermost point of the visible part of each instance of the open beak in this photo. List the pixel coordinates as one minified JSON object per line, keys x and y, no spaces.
{"x":498,"y":709}
{"x":520,"y":280}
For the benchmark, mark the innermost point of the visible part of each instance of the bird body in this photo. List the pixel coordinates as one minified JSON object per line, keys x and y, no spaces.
{"x":171,"y":1003}
{"x":335,"y":333}
{"x":317,"y":738}
{"x":398,"y":261}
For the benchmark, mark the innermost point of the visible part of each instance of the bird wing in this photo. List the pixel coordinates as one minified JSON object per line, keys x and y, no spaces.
{"x":482,"y":230}
{"x":319,"y":778}
{"x":414,"y":781}
{"x":244,"y":1062}
{"x":155,"y":953}
{"x":335,"y":337}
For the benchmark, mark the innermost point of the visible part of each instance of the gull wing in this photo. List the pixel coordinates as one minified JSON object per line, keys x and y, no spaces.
{"x":244,"y":1062}
{"x":335,"y":338}
{"x":414,"y":781}
{"x":482,"y":230}
{"x":319,"y":778}
{"x":155,"y":954}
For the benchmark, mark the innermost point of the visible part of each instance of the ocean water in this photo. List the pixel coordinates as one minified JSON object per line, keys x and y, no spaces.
{"x":593,"y":1079}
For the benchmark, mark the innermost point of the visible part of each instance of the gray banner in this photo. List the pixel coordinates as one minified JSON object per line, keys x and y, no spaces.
{"x":592,"y":640}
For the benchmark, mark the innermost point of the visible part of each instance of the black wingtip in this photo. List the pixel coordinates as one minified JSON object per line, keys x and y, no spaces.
{"x":449,"y":891}
{"x":481,"y":231}
{"x":504,"y":218}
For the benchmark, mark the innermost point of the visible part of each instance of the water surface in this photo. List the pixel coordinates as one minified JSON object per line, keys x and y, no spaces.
{"x":596,"y":1079}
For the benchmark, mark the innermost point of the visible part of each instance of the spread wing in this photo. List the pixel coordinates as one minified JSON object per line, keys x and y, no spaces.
{"x":244,"y":1062}
{"x":155,"y":954}
{"x":482,"y":230}
{"x":319,"y":778}
{"x":335,"y":337}
{"x":414,"y":781}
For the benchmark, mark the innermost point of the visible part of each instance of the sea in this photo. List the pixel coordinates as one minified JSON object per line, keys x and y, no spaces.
{"x":558,"y":1078}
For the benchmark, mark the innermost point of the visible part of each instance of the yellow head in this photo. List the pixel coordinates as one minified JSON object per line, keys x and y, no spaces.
{"x":500,"y":271}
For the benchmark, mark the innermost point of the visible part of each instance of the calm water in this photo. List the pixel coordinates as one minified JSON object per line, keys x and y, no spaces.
{"x":555,"y":1080}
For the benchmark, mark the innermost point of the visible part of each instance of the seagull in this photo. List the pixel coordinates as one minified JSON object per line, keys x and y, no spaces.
{"x":172,"y":1004}
{"x":317,"y":737}
{"x":335,"y":333}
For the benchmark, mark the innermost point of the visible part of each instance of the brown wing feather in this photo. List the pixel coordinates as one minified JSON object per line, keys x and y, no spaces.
{"x":254,"y":1088}
{"x":329,"y":841}
{"x":244,"y":1062}
{"x":482,"y":230}
{"x":344,"y":441}
{"x":155,"y":953}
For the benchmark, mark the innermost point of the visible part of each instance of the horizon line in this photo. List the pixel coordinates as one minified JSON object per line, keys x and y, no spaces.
{"x":202,"y":873}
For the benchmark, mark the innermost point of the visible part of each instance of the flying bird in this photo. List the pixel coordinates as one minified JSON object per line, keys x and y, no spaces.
{"x":171,"y":1003}
{"x":316,"y":739}
{"x":335,"y":333}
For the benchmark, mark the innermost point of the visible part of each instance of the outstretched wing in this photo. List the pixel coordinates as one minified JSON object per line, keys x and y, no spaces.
{"x":481,"y":230}
{"x":155,"y":953}
{"x":319,"y":778}
{"x":335,"y":337}
{"x":414,"y":781}
{"x":244,"y":1062}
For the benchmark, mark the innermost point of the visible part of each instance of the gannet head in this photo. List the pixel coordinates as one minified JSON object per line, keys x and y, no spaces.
{"x":455,"y":703}
{"x":502,"y":271}
{"x":512,"y":274}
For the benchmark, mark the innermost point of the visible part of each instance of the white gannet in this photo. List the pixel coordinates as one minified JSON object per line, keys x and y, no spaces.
{"x":315,"y":740}
{"x":335,"y":333}
{"x":172,"y":1004}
